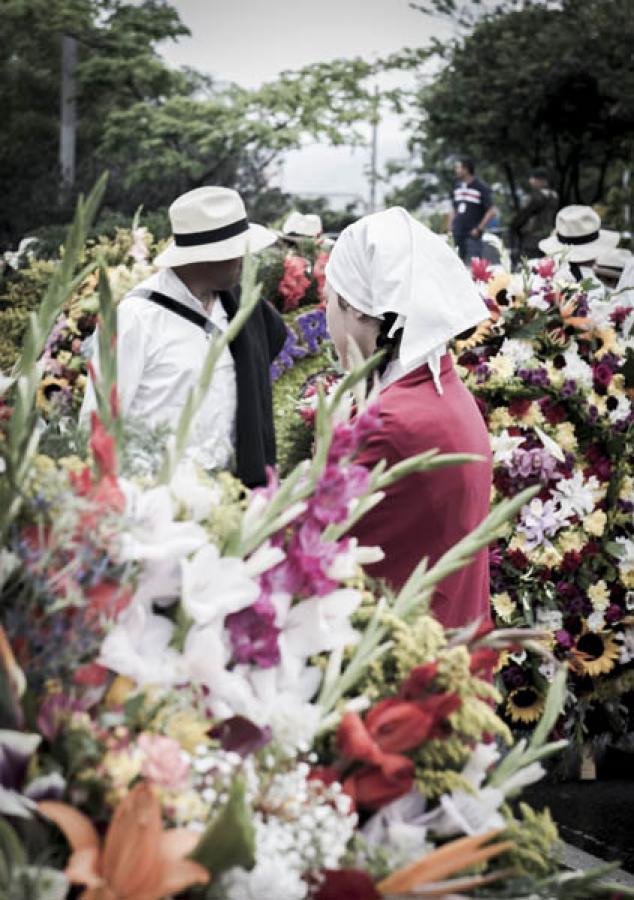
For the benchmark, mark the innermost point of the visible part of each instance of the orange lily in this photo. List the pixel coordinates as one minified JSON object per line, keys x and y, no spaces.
{"x":138,"y":860}
{"x":447,"y":860}
{"x":567,"y":313}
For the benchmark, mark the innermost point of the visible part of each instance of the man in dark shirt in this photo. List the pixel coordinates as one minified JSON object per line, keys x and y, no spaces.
{"x":536,"y":219}
{"x":473,"y":209}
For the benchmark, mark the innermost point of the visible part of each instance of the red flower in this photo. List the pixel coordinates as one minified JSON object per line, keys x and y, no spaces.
{"x":554,"y":413}
{"x":91,"y":675}
{"x":480,"y":270}
{"x":397,"y":725}
{"x":107,"y":599}
{"x":319,"y":274}
{"x":103,"y":447}
{"x":519,"y":408}
{"x":355,"y":742}
{"x":344,"y":884}
{"x":418,"y":681}
{"x":571,"y":561}
{"x":373,"y":786}
{"x":326,"y":774}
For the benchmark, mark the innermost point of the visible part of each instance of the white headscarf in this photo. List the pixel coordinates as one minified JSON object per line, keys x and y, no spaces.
{"x":389,"y":262}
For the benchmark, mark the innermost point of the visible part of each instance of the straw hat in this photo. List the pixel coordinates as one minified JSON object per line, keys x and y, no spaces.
{"x":209,"y":224}
{"x":578,"y":235}
{"x":611,"y":262}
{"x":300,"y":225}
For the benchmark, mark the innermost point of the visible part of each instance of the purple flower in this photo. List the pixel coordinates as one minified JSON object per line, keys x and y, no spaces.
{"x":254,"y":634}
{"x":602,"y":375}
{"x":336,"y":487}
{"x":532,"y":466}
{"x":240,"y":735}
{"x":569,"y":388}
{"x":564,"y":638}
{"x":537,"y":377}
{"x":312,"y":326}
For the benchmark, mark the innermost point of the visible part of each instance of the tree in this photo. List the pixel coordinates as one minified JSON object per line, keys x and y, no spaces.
{"x":117,"y":63}
{"x":539,"y":85}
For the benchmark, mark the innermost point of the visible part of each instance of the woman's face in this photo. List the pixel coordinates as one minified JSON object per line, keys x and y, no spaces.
{"x":344,"y":322}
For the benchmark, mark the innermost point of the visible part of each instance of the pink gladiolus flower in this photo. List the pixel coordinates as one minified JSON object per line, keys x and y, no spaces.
{"x":165,"y":764}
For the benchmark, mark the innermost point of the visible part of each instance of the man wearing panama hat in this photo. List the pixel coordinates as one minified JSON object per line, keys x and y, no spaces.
{"x":577,"y":241}
{"x":165,"y":323}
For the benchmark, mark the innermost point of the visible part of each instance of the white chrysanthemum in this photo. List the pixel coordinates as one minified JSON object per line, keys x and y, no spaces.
{"x":576,"y":369}
{"x":627,"y":647}
{"x":551,"y":619}
{"x":520,"y":352}
{"x":504,"y":445}
{"x":596,"y":621}
{"x":626,"y":557}
{"x":576,"y":495}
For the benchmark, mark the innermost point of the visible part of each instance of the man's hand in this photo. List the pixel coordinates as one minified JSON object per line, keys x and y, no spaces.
{"x":476,"y":232}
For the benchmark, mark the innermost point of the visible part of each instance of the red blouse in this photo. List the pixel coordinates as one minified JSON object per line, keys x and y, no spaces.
{"x":427,"y":513}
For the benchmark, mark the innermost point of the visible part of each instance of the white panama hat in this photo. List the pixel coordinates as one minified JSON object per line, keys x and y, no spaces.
{"x":578,"y":235}
{"x":611,"y":262}
{"x":302,"y":225}
{"x":209,"y":224}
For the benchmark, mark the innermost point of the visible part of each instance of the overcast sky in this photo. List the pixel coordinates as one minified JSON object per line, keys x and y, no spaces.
{"x":251,"y":41}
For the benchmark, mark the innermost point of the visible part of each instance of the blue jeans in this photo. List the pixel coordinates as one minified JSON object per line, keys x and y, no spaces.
{"x":468,"y":247}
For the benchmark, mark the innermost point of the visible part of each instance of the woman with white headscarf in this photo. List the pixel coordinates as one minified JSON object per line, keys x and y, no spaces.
{"x":394,"y":284}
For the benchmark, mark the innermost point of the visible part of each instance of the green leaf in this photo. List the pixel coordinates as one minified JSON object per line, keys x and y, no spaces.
{"x":11,"y":852}
{"x":229,"y":840}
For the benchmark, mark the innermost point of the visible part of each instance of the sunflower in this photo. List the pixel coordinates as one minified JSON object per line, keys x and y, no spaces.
{"x":497,"y":286}
{"x":595,"y":653}
{"x":525,"y":704}
{"x":478,"y":336}
{"x":47,"y":390}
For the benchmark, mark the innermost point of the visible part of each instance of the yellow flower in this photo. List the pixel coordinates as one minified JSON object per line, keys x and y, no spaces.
{"x":570,"y":540}
{"x":500,"y":419}
{"x":595,"y":523}
{"x":599,"y":596}
{"x":188,"y":729}
{"x":122,"y":767}
{"x":565,"y":436}
{"x":595,"y":654}
{"x":497,"y":284}
{"x":188,"y":807}
{"x":119,"y":691}
{"x":71,"y":463}
{"x":504,"y":606}
{"x":609,"y":342}
{"x":555,"y":376}
{"x":598,"y":401}
{"x":47,"y":389}
{"x":547,"y":556}
{"x":518,"y":542}
{"x":628,"y":578}
{"x":617,"y":385}
{"x":626,"y":491}
{"x":525,"y":705}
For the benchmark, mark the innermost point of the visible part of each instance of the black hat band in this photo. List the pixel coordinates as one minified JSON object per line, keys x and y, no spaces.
{"x":585,"y":239}
{"x":198,"y":238}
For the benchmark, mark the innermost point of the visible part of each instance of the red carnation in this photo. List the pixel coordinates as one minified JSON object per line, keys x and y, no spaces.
{"x":344,"y":884}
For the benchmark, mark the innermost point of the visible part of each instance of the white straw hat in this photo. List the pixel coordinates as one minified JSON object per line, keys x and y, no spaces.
{"x":302,"y":225}
{"x":611,"y":262}
{"x":209,"y":224}
{"x":578,"y":235}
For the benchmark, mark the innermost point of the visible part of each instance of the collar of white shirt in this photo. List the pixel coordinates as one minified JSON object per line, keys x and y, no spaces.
{"x":167,"y":282}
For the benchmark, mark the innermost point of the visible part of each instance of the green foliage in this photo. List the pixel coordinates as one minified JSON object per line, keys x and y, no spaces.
{"x":536,"y":850}
{"x":293,"y":436}
{"x":20,"y":293}
{"x":229,"y":840}
{"x":532,"y":84}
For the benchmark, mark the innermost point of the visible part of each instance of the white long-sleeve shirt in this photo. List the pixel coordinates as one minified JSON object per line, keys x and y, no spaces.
{"x":159,"y":359}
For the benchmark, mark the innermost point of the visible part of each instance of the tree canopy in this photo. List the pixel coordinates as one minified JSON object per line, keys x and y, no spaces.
{"x":537,"y":85}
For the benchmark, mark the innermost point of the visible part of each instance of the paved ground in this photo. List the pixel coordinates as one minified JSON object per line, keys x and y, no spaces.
{"x":596,"y":817}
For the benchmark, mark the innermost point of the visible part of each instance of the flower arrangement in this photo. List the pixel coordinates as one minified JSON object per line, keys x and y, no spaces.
{"x":248,"y":716}
{"x":551,"y":371}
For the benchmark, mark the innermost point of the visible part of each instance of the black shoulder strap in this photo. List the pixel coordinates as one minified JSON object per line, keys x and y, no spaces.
{"x":179,"y":308}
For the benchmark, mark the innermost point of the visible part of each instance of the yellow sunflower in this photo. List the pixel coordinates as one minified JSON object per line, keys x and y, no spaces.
{"x":525,"y":704}
{"x":478,"y":337}
{"x":595,"y":653}
{"x":48,"y":387}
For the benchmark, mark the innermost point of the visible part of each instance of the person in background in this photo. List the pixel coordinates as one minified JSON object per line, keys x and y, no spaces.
{"x":575,"y":244}
{"x":473,"y":210}
{"x":610,"y":264}
{"x":536,"y":219}
{"x":394,"y":284}
{"x":165,"y":323}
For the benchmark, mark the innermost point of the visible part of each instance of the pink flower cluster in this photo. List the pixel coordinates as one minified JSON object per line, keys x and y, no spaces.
{"x":306,"y":570}
{"x":294,"y":283}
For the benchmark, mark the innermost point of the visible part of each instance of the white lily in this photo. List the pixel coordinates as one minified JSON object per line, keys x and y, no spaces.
{"x":215,"y":586}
